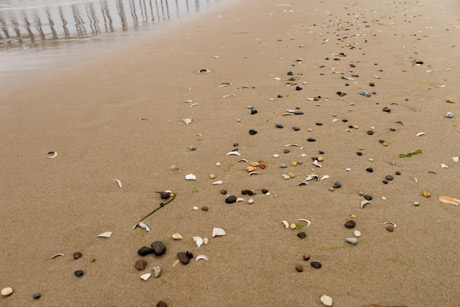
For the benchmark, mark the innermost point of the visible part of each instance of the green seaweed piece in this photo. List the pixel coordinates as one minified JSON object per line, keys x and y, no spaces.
{"x":418,"y":151}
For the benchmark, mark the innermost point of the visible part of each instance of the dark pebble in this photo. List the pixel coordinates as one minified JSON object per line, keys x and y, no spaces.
{"x":345,"y":120}
{"x":350,"y":126}
{"x":158,"y":248}
{"x":371,"y":84}
{"x":381,"y":141}
{"x":337,"y":185}
{"x":279,"y":126}
{"x":161,"y":304}
{"x":359,"y":153}
{"x":311,"y":140}
{"x":223,"y":192}
{"x":144,"y":251}
{"x":231,"y":199}
{"x":77,"y":255}
{"x":389,"y":177}
{"x":390,"y":228}
{"x":386,"y":109}
{"x":321,"y":152}
{"x":140,"y":265}
{"x":302,"y":235}
{"x":341,"y":94}
{"x":235,"y":144}
{"x":350,"y":224}
{"x":385,"y":181}
{"x":265,"y":191}
{"x":299,"y":268}
{"x":204,"y":208}
{"x":286,"y":151}
{"x":79,"y":273}
{"x":319,"y":124}
{"x":36,"y":295}
{"x":298,"y":88}
{"x":290,"y":73}
{"x":419,"y":62}
{"x":189,"y":254}
{"x":370,"y":169}
{"x":252,"y":132}
{"x":306,"y":257}
{"x":298,"y":113}
{"x":164,"y":195}
{"x":183,"y":257}
{"x":398,"y":173}
{"x":370,"y":132}
{"x":315,"y":264}
{"x":296,"y":128}
{"x":253,"y":111}
{"x":392,"y":129}
{"x":368,"y":197}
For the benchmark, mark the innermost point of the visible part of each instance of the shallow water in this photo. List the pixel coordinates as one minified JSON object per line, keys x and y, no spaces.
{"x":41,"y":35}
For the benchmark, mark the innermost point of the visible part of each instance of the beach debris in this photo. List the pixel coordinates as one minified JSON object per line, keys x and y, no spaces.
{"x":233,"y":153}
{"x":444,"y":165}
{"x":449,"y":115}
{"x":253,"y":173}
{"x":218,"y":182}
{"x":77,"y":255}
{"x":357,"y":233}
{"x":243,"y":160}
{"x":299,"y":268}
{"x":418,"y":151}
{"x":106,"y":234}
{"x":324,"y":177}
{"x":190,"y":177}
{"x":326,"y":300}
{"x":140,"y":265}
{"x":285,"y":223}
{"x":57,"y":255}
{"x":455,"y":159}
{"x":420,"y":133}
{"x":177,"y":236}
{"x":218,"y":232}
{"x":146,"y":276}
{"x":79,"y":273}
{"x":157,"y":271}
{"x":201,"y":257}
{"x":391,"y":223}
{"x":7,"y":291}
{"x":305,"y":220}
{"x":203,"y":70}
{"x":364,"y":203}
{"x":449,"y":200}
{"x":142,"y":225}
{"x":36,"y":295}
{"x":187,"y":120}
{"x":353,"y":241}
{"x":119,"y":183}
{"x":53,"y":153}
{"x":198,"y":241}
{"x":240,"y":200}
{"x":426,"y":194}
{"x":311,"y":177}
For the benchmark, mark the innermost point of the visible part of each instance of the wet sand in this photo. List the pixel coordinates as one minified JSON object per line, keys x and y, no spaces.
{"x":90,"y":116}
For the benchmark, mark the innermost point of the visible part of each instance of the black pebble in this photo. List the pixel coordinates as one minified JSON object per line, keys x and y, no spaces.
{"x":302,"y":235}
{"x":252,"y":132}
{"x":144,"y":251}
{"x":189,"y":254}
{"x":345,"y":120}
{"x":298,"y":88}
{"x":161,"y":304}
{"x":289,"y":73}
{"x":296,"y":128}
{"x":368,"y":197}
{"x":392,"y":129}
{"x":247,"y":192}
{"x":389,"y":177}
{"x":371,"y":84}
{"x":298,"y":113}
{"x":321,"y":152}
{"x":253,"y":111}
{"x":319,"y":124}
{"x":315,"y":264}
{"x":77,"y":255}
{"x":183,"y":257}
{"x":223,"y":192}
{"x":311,"y":140}
{"x":419,"y":62}
{"x":398,"y":173}
{"x":386,"y":109}
{"x":370,"y":132}
{"x":158,"y":248}
{"x":385,"y":181}
{"x":370,"y":169}
{"x":350,"y":224}
{"x":79,"y":273}
{"x":337,"y":185}
{"x":279,"y":126}
{"x":359,"y":153}
{"x":230,"y":199}
{"x":265,"y":191}
{"x":164,"y":195}
{"x":36,"y":295}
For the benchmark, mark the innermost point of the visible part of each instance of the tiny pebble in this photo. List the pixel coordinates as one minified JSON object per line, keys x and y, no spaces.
{"x":283,"y":165}
{"x":204,"y":208}
{"x":369,"y":169}
{"x":161,"y":304}
{"x":337,"y":185}
{"x":7,"y":291}
{"x":223,"y":192}
{"x":390,"y":228}
{"x":140,"y":265}
{"x":77,"y":255}
{"x":276,"y":155}
{"x":79,"y":273}
{"x":252,"y":132}
{"x":302,"y":235}
{"x":416,"y":203}
{"x":36,"y":295}
{"x":326,"y":300}
{"x":368,"y":197}
{"x":350,"y":224}
{"x":299,"y":268}
{"x":357,"y":233}
{"x":306,"y":257}
{"x":250,"y":201}
{"x":315,"y":264}
{"x":195,"y":208}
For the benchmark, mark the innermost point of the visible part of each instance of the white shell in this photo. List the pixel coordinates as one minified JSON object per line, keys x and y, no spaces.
{"x":444,"y":166}
{"x":142,"y":225}
{"x":317,"y":164}
{"x":157,"y":272}
{"x":187,"y":120}
{"x":391,"y":223}
{"x":240,"y":200}
{"x":353,"y":241}
{"x":205,"y":241}
{"x":357,"y":233}
{"x":233,"y":153}
{"x":106,"y":234}
{"x":119,"y":183}
{"x":201,"y":257}
{"x":253,"y":173}
{"x":218,"y":232}
{"x":243,"y":160}
{"x":189,"y":101}
{"x":420,"y":133}
{"x":286,"y":176}
{"x":306,"y":221}
{"x":415,"y":179}
{"x":287,"y":145}
{"x":285,"y":223}
{"x":177,"y":236}
{"x":195,"y":208}
{"x":193,"y":104}
{"x":218,"y":164}
{"x":364,"y":203}
{"x":324,"y":177}
{"x":198,"y":240}
{"x":250,"y":201}
{"x":348,"y":169}
{"x":57,"y":255}
{"x":190,"y":177}
{"x":326,"y":300}
{"x":55,"y":154}
{"x":276,"y":155}
{"x":455,"y":159}
{"x":146,"y":276}
{"x":311,"y":177}
{"x":218,"y":182}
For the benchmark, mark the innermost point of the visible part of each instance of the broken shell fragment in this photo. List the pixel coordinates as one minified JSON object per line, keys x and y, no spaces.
{"x":201,"y":257}
{"x":449,"y":200}
{"x":218,"y":232}
{"x":53,"y":153}
{"x":253,"y":173}
{"x":326,"y":300}
{"x":190,"y":177}
{"x":311,"y":177}
{"x":187,"y":120}
{"x":324,"y":177}
{"x":119,"y":183}
{"x":364,"y":203}
{"x":157,"y":272}
{"x":177,"y":236}
{"x":306,"y":221}
{"x":315,"y":163}
{"x":106,"y":234}
{"x":240,"y":200}
{"x":455,"y":159}
{"x":142,"y":225}
{"x":57,"y":255}
{"x":203,"y":70}
{"x":198,"y":240}
{"x":243,"y":160}
{"x":218,"y":182}
{"x":233,"y":153}
{"x":420,"y":133}
{"x":146,"y":276}
{"x":391,"y":223}
{"x":285,"y":223}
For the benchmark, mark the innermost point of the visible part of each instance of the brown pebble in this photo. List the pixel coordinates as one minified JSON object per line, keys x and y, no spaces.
{"x":204,"y":208}
{"x":140,"y":265}
{"x":306,"y":257}
{"x":299,"y":268}
{"x":390,"y":228}
{"x":350,"y":224}
{"x":77,"y":255}
{"x":286,"y":151}
{"x":161,"y":304}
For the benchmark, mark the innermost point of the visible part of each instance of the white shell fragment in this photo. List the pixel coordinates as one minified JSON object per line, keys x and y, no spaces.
{"x":243,"y":160}
{"x":119,"y":183}
{"x":357,"y":233}
{"x":233,"y":153}
{"x":217,"y":182}
{"x":106,"y":234}
{"x":311,"y":177}
{"x":142,"y":225}
{"x":288,"y":145}
{"x":253,"y":173}
{"x":218,"y":232}
{"x":177,"y":236}
{"x":315,"y":163}
{"x":195,"y":208}
{"x":353,"y":241}
{"x":240,"y":200}
{"x":146,"y":276}
{"x":57,"y":255}
{"x":187,"y":121}
{"x":198,"y":240}
{"x":391,"y":223}
{"x":285,"y":223}
{"x":53,"y":153}
{"x":444,"y":166}
{"x":201,"y":257}
{"x":420,"y":133}
{"x":449,"y":115}
{"x":203,"y":70}
{"x":190,"y":177}
{"x":326,"y":300}
{"x":324,"y":177}
{"x":286,"y":176}
{"x":157,"y":272}
{"x":364,"y":203}
{"x":306,"y":221}
{"x":449,"y":200}
{"x":455,"y":159}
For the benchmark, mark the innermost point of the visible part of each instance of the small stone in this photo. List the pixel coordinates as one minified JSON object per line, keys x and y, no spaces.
{"x":140,"y":265}
{"x":158,"y":248}
{"x":189,"y":254}
{"x":302,"y":235}
{"x":195,"y":208}
{"x":315,"y":264}
{"x":276,"y":155}
{"x":389,"y":177}
{"x":183,"y":257}
{"x":368,"y":197}
{"x":390,"y":228}
{"x":250,"y":201}
{"x":283,"y":165}
{"x":361,"y":193}
{"x":350,"y":224}
{"x":326,"y":300}
{"x":449,"y":115}
{"x":426,"y":194}
{"x":205,"y":241}
{"x":386,"y":109}
{"x":252,"y":132}
{"x":212,"y":176}
{"x":296,"y":128}
{"x":286,"y":151}
{"x":370,"y":169}
{"x":161,"y":304}
{"x":36,"y":295}
{"x":357,"y":233}
{"x":385,"y":181}
{"x":265,"y":191}
{"x":79,"y":273}
{"x":253,"y":111}
{"x":7,"y":291}
{"x":165,"y":195}
{"x":306,"y":257}
{"x":311,"y":140}
{"x":157,"y":272}
{"x":192,"y":148}
{"x":77,"y":255}
{"x":279,"y":126}
{"x":398,"y":173}
{"x":291,"y":175}
{"x":337,"y":185}
{"x":223,"y":192}
{"x":370,"y":132}
{"x":353,"y":241}
{"x":298,"y":88}
{"x":331,"y":189}
{"x":416,"y":203}
{"x":144,"y":251}
{"x":205,"y":208}
{"x":359,"y":153}
{"x":299,"y":268}
{"x":230,"y":199}
{"x":320,"y":159}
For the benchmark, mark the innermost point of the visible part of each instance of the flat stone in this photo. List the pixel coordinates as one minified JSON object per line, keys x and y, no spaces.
{"x":279,"y":126}
{"x":140,"y":265}
{"x":311,"y":140}
{"x":77,"y":255}
{"x":353,"y":241}
{"x":161,"y":304}
{"x":337,"y":185}
{"x":265,"y":191}
{"x":299,"y":268}
{"x":370,"y":132}
{"x":296,"y":128}
{"x":79,"y":273}
{"x":350,"y":224}
{"x":368,"y":197}
{"x":223,"y":192}
{"x":389,"y":177}
{"x":158,"y":248}
{"x":144,"y":251}
{"x":204,"y":208}
{"x":183,"y":257}
{"x":37,"y":295}
{"x":386,"y":109}
{"x":302,"y":235}
{"x":315,"y":264}
{"x":230,"y":199}
{"x":252,"y":132}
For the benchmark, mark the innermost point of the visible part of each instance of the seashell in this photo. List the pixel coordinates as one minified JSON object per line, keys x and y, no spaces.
{"x":285,"y":223}
{"x":218,"y":232}
{"x":218,"y":164}
{"x":357,"y":233}
{"x":302,"y":183}
{"x":303,"y":155}
{"x":415,"y":179}
{"x":198,"y":240}
{"x":306,"y":221}
{"x":218,"y":182}
{"x":205,"y":241}
{"x":420,"y":133}
{"x":431,"y":172}
{"x":204,"y":70}
{"x":276,"y":155}
{"x":146,"y":276}
{"x":444,"y":166}
{"x":286,"y":176}
{"x":177,"y":236}
{"x":455,"y":159}
{"x":391,"y":223}
{"x":157,"y":272}
{"x":190,"y":177}
{"x":53,"y":153}
{"x":449,"y":115}
{"x":240,"y":200}
{"x":195,"y":208}
{"x":189,"y":101}
{"x":250,"y":169}
{"x":57,"y":255}
{"x":187,"y":121}
{"x":449,"y":200}
{"x":311,"y":177}
{"x":201,"y":257}
{"x":253,"y":173}
{"x":227,"y":96}
{"x":119,"y":183}
{"x":400,"y":122}
{"x":324,"y":177}
{"x":277,"y":79}
{"x":243,"y":160}
{"x":335,"y":120}
{"x":288,"y":145}
{"x":193,"y":104}
{"x":364,"y":203}
{"x":142,"y":225}
{"x":233,"y":153}
{"x":353,"y":241}
{"x":106,"y":234}
{"x":286,"y":114}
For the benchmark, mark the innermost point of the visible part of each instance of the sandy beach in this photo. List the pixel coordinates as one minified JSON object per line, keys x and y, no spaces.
{"x":120,"y":116}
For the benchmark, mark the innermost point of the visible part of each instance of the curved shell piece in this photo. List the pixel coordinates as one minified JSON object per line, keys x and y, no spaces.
{"x":201,"y":257}
{"x":53,"y":153}
{"x":106,"y":234}
{"x":119,"y":183}
{"x":198,"y":240}
{"x":306,"y":221}
{"x":285,"y":223}
{"x":233,"y":153}
{"x":218,"y":232}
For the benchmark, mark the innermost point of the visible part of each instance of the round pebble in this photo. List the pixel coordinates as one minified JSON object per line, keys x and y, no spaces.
{"x":306,"y":257}
{"x":157,"y":272}
{"x":296,"y":128}
{"x":398,"y":173}
{"x":368,"y":197}
{"x":223,"y":192}
{"x":140,"y":265}
{"x":426,"y":194}
{"x":250,"y":201}
{"x":350,"y":224}
{"x":390,"y":228}
{"x":79,"y":273}
{"x":195,"y":208}
{"x":276,"y":155}
{"x":230,"y":199}
{"x":353,"y":241}
{"x":77,"y":255}
{"x":212,"y":176}
{"x":357,"y":233}
{"x":370,"y":169}
{"x":370,"y":132}
{"x":183,"y":257}
{"x":283,"y":165}
{"x":7,"y":291}
{"x":315,"y":264}
{"x":36,"y":295}
{"x":204,"y":208}
{"x":385,"y":181}
{"x":337,"y":185}
{"x":265,"y":191}
{"x":161,"y":304}
{"x":326,"y":300}
{"x":252,"y":132}
{"x":389,"y":177}
{"x":302,"y":235}
{"x":299,"y":268}
{"x":158,"y":248}
{"x":192,"y":148}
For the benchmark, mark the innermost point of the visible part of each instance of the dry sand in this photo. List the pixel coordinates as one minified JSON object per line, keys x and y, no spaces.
{"x":90,"y":116}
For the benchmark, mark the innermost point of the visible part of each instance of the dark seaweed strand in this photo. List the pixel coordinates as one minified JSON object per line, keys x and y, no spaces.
{"x":155,"y":210}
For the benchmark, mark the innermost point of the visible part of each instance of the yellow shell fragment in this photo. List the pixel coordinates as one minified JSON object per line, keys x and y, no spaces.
{"x":7,"y":291}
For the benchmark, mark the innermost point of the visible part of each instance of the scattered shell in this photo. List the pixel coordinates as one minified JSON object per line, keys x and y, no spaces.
{"x":157,"y":272}
{"x":286,"y":176}
{"x":285,"y":223}
{"x":218,"y":182}
{"x":142,"y":225}
{"x":326,"y":300}
{"x":444,"y":166}
{"x":420,"y":133}
{"x":240,"y":200}
{"x":119,"y":183}
{"x":357,"y":233}
{"x":449,"y":115}
{"x":7,"y":291}
{"x":400,"y":122}
{"x":455,"y":159}
{"x":415,"y":179}
{"x":218,"y":232}
{"x":324,"y":177}
{"x":233,"y":153}
{"x":57,"y":255}
{"x":176,"y":262}
{"x":193,"y":104}
{"x":201,"y":257}
{"x":198,"y":240}
{"x":106,"y":234}
{"x":391,"y":223}
{"x":205,"y":241}
{"x":276,"y":155}
{"x":311,"y":177}
{"x":177,"y":236}
{"x":317,"y":164}
{"x":253,"y":173}
{"x":187,"y":120}
{"x":306,"y":221}
{"x":302,"y":183}
{"x":426,"y":194}
{"x":449,"y":200}
{"x":243,"y":160}
{"x":203,"y":70}
{"x":190,"y":177}
{"x":146,"y":276}
{"x":288,"y":145}
{"x":227,"y":96}
{"x":53,"y":153}
{"x":195,"y":208}
{"x":364,"y":203}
